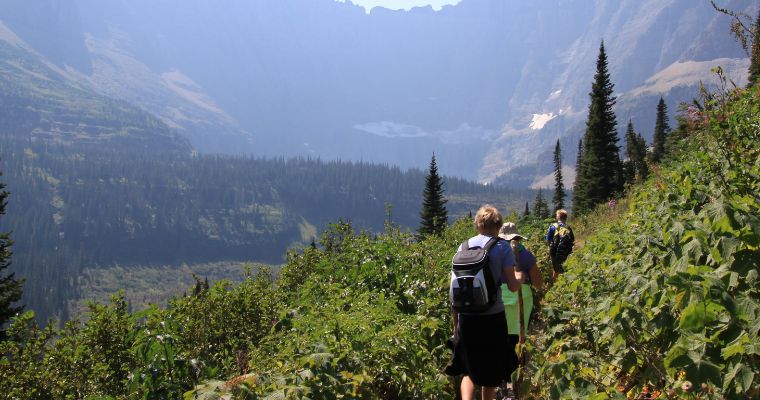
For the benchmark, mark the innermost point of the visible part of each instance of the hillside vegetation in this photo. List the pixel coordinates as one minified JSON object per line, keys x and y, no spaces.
{"x":661,"y":301}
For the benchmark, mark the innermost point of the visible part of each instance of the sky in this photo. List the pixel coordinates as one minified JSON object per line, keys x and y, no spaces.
{"x":399,"y":4}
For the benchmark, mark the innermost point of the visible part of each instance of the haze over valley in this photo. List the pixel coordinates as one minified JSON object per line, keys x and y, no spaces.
{"x":487,"y":85}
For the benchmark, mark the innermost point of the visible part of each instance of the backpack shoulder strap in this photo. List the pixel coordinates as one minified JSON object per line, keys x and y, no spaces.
{"x":466,"y":244}
{"x":491,"y":242}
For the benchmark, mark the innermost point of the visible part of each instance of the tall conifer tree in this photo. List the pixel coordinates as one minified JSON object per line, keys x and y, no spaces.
{"x":527,"y":210}
{"x":629,"y":167}
{"x":635,"y":167}
{"x":601,"y":174}
{"x":643,"y":167}
{"x":559,"y":187}
{"x":540,"y":208}
{"x":10,"y":288}
{"x":754,"y":64}
{"x":433,"y":217}
{"x":661,"y":130}
{"x":577,"y":186}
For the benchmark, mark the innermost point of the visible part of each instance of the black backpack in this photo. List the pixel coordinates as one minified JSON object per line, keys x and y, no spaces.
{"x":562,"y":243}
{"x":472,"y":288}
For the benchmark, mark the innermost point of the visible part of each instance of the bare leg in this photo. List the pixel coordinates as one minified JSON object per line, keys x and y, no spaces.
{"x":467,"y":388}
{"x":489,"y":393}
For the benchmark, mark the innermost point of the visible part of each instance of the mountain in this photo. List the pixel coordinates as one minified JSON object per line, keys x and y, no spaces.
{"x":487,"y":85}
{"x":655,"y":48}
{"x":39,"y":101}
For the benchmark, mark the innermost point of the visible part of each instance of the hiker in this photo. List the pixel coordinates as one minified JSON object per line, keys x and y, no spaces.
{"x":480,"y":342}
{"x":527,"y":273}
{"x":560,"y":240}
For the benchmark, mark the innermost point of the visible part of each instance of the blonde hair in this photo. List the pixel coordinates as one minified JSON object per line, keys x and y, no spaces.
{"x":488,"y":219}
{"x":562,"y":215}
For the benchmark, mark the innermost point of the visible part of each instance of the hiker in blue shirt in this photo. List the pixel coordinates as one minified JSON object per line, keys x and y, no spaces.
{"x":559,"y":251}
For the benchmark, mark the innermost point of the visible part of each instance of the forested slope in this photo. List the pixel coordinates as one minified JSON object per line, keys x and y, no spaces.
{"x":74,"y":207}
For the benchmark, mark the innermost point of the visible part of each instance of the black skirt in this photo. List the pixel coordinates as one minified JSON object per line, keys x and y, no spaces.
{"x":482,"y":350}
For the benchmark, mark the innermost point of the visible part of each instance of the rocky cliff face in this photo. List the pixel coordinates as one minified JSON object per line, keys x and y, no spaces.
{"x":655,"y":48}
{"x":488,"y":85}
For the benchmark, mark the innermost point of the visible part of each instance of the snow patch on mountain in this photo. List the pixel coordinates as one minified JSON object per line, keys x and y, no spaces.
{"x":392,"y":129}
{"x":539,"y":120}
{"x":462,"y":133}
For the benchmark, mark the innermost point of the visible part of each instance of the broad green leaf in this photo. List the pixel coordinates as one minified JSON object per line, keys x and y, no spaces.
{"x":735,"y":347}
{"x":677,"y":357}
{"x":696,"y":315}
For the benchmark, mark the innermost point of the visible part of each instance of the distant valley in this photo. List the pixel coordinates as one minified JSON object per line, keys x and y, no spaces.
{"x":78,"y":207}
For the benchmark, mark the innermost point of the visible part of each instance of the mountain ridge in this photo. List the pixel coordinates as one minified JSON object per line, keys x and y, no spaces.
{"x":313,"y":74}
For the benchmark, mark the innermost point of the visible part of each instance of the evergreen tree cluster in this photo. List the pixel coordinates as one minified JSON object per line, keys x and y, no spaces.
{"x":10,"y":287}
{"x":635,"y":166}
{"x":600,"y":174}
{"x":541,"y":208}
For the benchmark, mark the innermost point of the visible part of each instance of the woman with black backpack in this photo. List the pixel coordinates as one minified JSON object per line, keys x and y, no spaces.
{"x":481,"y":350}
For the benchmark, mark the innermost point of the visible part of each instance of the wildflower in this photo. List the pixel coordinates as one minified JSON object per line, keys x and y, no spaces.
{"x":687,"y":386}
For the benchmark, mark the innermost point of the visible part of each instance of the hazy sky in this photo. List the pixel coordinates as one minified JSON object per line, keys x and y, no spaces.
{"x":399,"y":4}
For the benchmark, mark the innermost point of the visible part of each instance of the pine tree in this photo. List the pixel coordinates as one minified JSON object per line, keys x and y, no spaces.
{"x":559,"y":187}
{"x":601,"y":173}
{"x":10,"y":288}
{"x":661,"y":131}
{"x":527,"y":210}
{"x":635,"y":167}
{"x":643,"y":167}
{"x":540,"y":208}
{"x":433,"y":217}
{"x":578,"y":194}
{"x":754,"y":66}
{"x":629,"y":168}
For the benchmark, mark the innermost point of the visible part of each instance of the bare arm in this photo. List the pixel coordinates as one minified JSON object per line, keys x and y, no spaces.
{"x":508,"y":276}
{"x":536,"y":278}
